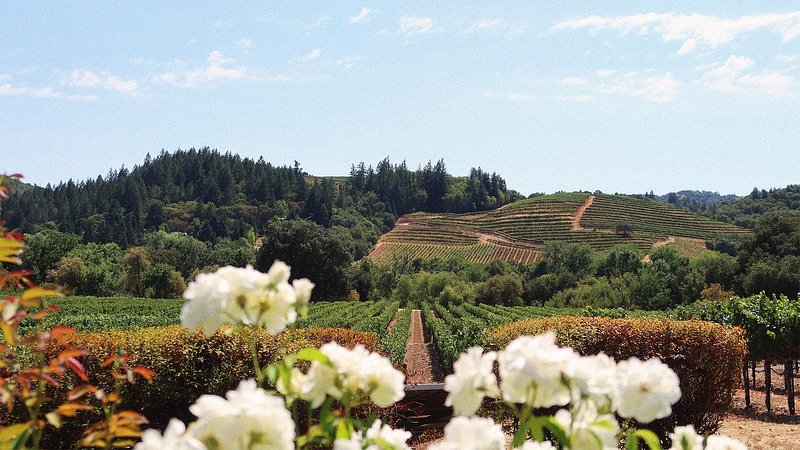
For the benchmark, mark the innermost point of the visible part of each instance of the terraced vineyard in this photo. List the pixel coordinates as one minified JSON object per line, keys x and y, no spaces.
{"x":518,"y":232}
{"x":653,"y":217}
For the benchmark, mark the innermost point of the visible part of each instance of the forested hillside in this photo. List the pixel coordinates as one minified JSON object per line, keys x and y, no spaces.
{"x":210,"y":195}
{"x":744,"y":211}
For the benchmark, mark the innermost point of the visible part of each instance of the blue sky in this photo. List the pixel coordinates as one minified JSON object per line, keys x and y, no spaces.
{"x":616,"y":96}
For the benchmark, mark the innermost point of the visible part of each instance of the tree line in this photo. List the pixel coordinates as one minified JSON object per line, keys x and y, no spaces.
{"x":211,"y":195}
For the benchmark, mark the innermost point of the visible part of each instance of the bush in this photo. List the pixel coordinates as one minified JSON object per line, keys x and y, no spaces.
{"x":707,"y":357}
{"x":186,"y":365}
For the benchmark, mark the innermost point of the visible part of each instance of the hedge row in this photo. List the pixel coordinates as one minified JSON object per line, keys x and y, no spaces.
{"x":706,"y":356}
{"x":186,"y":365}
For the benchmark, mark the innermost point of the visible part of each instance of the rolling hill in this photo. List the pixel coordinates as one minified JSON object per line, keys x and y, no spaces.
{"x":518,"y":231}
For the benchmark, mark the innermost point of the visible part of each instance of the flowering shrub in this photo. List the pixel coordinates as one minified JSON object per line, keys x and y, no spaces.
{"x":707,"y":357}
{"x":590,"y":392}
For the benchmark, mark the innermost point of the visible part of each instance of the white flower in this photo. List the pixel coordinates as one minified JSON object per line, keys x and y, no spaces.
{"x":247,"y":418}
{"x":278,"y":273}
{"x":358,"y":372}
{"x":647,"y":390}
{"x":588,"y":430}
{"x":245,"y":296}
{"x":295,"y":386}
{"x":686,"y":438}
{"x":530,"y":445}
{"x":174,"y":438}
{"x":380,"y":436}
{"x":532,"y":370}
{"x":594,"y":377}
{"x":472,"y":379}
{"x":354,"y":443}
{"x":302,"y":289}
{"x":471,"y":433}
{"x":716,"y":442}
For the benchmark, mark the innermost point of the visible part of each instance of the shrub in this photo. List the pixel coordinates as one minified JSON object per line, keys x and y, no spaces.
{"x":707,"y":357}
{"x":187,"y":365}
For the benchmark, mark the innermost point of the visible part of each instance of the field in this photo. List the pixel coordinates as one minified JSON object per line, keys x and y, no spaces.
{"x":518,"y":232}
{"x":454,"y":328}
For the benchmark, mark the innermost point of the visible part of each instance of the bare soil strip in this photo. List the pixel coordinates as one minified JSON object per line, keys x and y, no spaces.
{"x":421,"y":361}
{"x":576,"y":219}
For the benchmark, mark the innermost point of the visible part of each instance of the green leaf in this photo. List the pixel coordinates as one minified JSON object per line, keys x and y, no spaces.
{"x":553,"y":426}
{"x":342,"y":430}
{"x":312,"y":354}
{"x":631,"y":441}
{"x":650,"y":438}
{"x":522,"y":433}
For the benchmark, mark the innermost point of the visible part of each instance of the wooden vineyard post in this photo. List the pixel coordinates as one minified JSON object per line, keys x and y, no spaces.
{"x":753,"y":372}
{"x":746,"y":384}
{"x":768,"y":383}
{"x":788,"y":370}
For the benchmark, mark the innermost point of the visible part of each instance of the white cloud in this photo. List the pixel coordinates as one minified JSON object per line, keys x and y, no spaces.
{"x":5,"y":77}
{"x":213,"y":71}
{"x":348,"y":61}
{"x":602,"y":73}
{"x":788,"y":58}
{"x":312,"y":55}
{"x":362,"y":15}
{"x":574,"y":81}
{"x":245,"y":43}
{"x":659,"y":88}
{"x":87,"y":78}
{"x":516,"y":97}
{"x":692,"y":30}
{"x":415,"y":25}
{"x":7,"y":90}
{"x":486,"y":25}
{"x":576,"y":98}
{"x":319,"y":23}
{"x":731,"y":77}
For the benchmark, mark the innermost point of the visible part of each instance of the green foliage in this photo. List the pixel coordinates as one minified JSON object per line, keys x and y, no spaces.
{"x":772,"y":322}
{"x":769,"y":260}
{"x":45,"y":248}
{"x":312,"y":252}
{"x":394,"y":342}
{"x":163,"y":281}
{"x":501,"y":290}
{"x":707,"y":357}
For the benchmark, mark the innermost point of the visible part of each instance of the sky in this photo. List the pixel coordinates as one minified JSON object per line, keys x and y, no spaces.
{"x":612,"y":96}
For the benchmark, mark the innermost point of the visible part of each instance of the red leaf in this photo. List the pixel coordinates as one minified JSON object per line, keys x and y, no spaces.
{"x":77,"y":367}
{"x":144,"y":372}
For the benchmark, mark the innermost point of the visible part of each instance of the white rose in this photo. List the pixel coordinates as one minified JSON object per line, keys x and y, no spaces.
{"x":686,"y":438}
{"x":278,"y":273}
{"x":716,"y":442}
{"x":354,"y":443}
{"x":533,"y":371}
{"x":594,"y":377}
{"x":174,"y":438}
{"x":588,"y":430}
{"x":302,"y":288}
{"x":647,"y":390}
{"x":471,"y":433}
{"x":530,"y":445}
{"x":472,"y":379}
{"x":378,"y":436}
{"x":247,"y":418}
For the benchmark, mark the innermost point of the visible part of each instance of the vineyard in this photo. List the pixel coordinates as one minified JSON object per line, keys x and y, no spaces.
{"x":518,"y":232}
{"x":454,"y":328}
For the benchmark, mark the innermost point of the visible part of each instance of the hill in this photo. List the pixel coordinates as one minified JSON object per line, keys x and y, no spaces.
{"x":211,"y":196}
{"x":518,"y":231}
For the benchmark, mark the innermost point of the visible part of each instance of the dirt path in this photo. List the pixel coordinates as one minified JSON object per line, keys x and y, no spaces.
{"x":576,"y":219}
{"x":759,"y":429}
{"x":421,"y":362}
